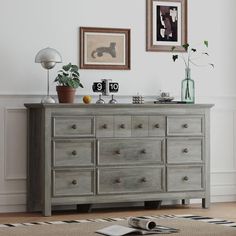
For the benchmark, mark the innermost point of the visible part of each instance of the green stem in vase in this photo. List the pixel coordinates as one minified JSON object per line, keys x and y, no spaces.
{"x":187,"y":92}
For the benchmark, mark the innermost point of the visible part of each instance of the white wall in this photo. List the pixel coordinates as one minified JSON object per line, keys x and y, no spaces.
{"x":30,"y":25}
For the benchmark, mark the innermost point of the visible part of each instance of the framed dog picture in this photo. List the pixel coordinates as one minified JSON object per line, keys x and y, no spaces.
{"x":166,"y":25}
{"x":104,"y":48}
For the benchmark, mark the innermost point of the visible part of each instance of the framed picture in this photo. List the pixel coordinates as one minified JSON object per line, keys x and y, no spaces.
{"x":166,"y":25}
{"x":104,"y":48}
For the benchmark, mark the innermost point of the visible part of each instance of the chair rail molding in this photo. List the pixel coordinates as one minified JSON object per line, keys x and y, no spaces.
{"x":15,"y":144}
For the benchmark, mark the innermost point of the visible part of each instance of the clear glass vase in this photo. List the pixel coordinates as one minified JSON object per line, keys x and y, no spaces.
{"x":187,"y":88}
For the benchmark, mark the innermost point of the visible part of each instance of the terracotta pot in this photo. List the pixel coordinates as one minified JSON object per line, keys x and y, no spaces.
{"x":65,"y":94}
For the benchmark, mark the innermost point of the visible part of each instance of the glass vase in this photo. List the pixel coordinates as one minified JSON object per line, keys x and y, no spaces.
{"x":187,"y":88}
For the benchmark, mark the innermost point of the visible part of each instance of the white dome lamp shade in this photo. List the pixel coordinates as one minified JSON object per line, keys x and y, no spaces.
{"x":48,"y":58}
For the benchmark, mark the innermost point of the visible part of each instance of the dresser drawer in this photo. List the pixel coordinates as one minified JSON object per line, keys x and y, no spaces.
{"x":184,"y":150}
{"x":185,"y":125}
{"x":73,"y":126}
{"x":73,"y":182}
{"x":139,"y":126}
{"x":73,"y":152}
{"x":157,"y":126}
{"x":130,"y":151}
{"x":122,"y":126}
{"x":130,"y":180}
{"x":185,"y":178}
{"x":104,"y":126}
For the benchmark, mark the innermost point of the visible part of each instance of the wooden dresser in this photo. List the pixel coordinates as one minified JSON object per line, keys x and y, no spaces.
{"x":85,"y":154}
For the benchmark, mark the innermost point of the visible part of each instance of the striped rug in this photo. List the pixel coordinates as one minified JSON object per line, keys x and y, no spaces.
{"x":190,"y":217}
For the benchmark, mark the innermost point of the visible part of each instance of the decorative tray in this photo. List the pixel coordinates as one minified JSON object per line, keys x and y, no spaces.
{"x":165,"y":99}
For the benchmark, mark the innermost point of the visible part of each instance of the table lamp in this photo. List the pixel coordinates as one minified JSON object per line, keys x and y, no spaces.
{"x":48,"y":57}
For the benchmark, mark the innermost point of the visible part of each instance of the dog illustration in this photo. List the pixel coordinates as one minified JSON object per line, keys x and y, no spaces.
{"x":101,"y":50}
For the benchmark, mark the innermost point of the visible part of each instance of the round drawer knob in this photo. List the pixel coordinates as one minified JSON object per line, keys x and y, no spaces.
{"x":185,"y":126}
{"x":185,"y":178}
{"x":122,"y":126}
{"x":157,"y":126}
{"x":74,"y":153}
{"x":74,"y":126}
{"x":144,"y":151}
{"x":118,"y":180}
{"x":74,"y":182}
{"x":185,"y":150}
{"x":140,"y":126}
{"x":104,"y":126}
{"x":144,"y":179}
{"x":118,"y":152}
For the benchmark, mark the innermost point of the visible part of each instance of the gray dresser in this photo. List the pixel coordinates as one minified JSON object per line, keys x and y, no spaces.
{"x":84,"y":154}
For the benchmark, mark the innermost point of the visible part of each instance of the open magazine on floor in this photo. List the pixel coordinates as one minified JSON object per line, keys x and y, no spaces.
{"x":137,"y":226}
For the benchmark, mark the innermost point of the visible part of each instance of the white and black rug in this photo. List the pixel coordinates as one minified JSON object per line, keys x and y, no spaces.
{"x":191,"y":217}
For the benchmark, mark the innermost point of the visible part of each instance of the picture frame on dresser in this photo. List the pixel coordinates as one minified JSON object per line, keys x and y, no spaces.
{"x":104,"y":48}
{"x":166,"y":22}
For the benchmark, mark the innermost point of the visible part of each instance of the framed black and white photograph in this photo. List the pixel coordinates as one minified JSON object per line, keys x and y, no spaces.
{"x":166,"y":25}
{"x":104,"y":48}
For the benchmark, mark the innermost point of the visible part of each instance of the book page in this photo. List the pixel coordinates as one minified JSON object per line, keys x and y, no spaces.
{"x":117,"y":230}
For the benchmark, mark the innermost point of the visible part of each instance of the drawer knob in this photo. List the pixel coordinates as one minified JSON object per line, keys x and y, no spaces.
{"x":122,"y":126}
{"x":74,"y":126}
{"x":140,"y":126}
{"x":74,"y":153}
{"x":157,"y":126}
{"x":144,"y":180}
{"x":104,"y":126}
{"x":118,"y":180}
{"x":185,"y":126}
{"x":118,"y":152}
{"x":74,"y":182}
{"x":185,"y":150}
{"x":144,"y":151}
{"x":185,"y":178}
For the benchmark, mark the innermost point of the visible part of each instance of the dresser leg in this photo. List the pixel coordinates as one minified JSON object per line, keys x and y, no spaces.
{"x":84,"y":208}
{"x":185,"y":201}
{"x":152,"y":204}
{"x":205,"y":203}
{"x":47,"y":211}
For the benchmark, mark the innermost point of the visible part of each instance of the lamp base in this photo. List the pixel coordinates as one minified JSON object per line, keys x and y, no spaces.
{"x":48,"y":99}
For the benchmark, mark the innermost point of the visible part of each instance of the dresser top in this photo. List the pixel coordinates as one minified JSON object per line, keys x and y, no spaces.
{"x":120,"y":105}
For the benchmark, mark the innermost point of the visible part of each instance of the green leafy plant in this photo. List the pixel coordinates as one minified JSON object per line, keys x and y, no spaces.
{"x":192,"y":55}
{"x":69,"y":76}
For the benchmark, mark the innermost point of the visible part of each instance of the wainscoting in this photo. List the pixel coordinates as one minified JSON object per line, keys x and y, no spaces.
{"x":13,"y":142}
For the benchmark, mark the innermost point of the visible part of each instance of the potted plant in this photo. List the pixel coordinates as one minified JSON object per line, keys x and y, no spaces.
{"x":68,"y":80}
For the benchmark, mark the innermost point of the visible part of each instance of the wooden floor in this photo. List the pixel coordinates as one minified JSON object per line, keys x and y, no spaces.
{"x":217,"y":210}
